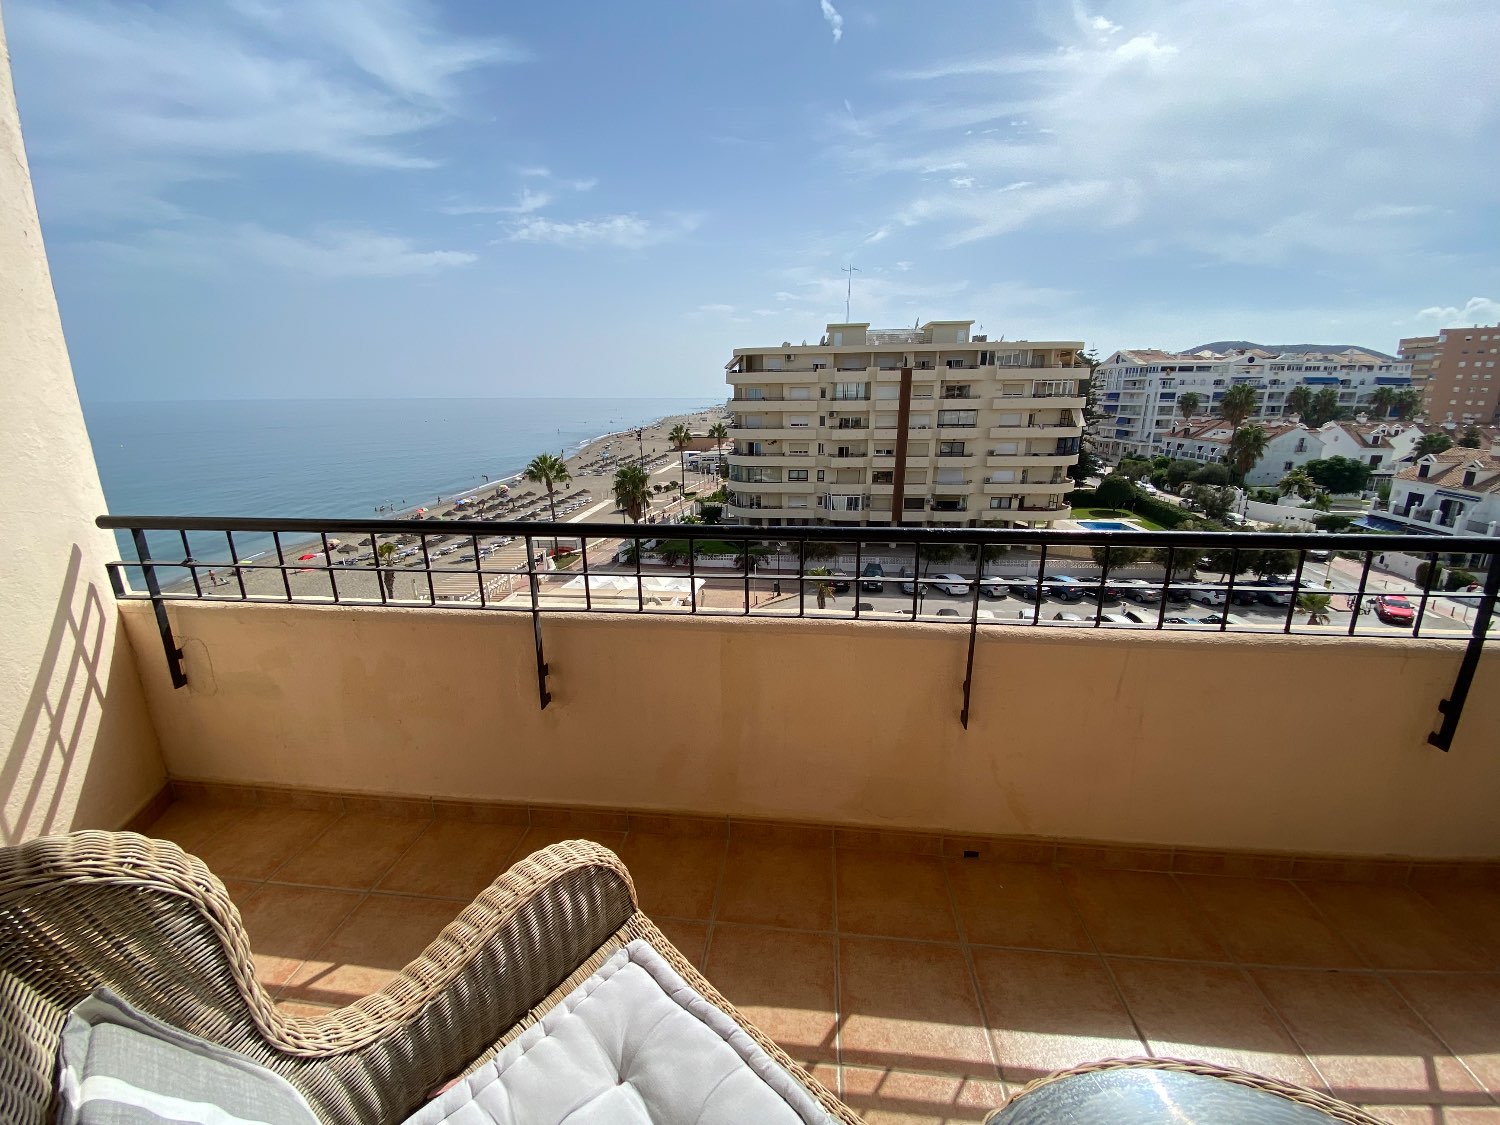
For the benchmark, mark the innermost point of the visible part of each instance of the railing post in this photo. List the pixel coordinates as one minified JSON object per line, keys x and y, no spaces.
{"x":536,"y":625}
{"x":159,"y":608}
{"x":1452,"y":708}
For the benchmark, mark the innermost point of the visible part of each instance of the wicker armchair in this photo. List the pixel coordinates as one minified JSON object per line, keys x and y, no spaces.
{"x":154,"y":924}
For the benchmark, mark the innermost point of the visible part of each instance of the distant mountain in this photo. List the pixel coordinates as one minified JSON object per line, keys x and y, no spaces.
{"x":1236,"y":345}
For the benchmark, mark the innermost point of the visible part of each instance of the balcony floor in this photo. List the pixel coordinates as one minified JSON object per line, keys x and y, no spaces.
{"x":924,"y":989}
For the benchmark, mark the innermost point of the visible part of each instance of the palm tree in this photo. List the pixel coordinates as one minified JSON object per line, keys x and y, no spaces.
{"x":1407,"y":403}
{"x":1299,"y":482}
{"x":1188,"y":404}
{"x":1298,"y":400}
{"x":632,"y":491}
{"x":1238,"y":403}
{"x":719,"y":432}
{"x":822,"y":588}
{"x":1315,"y":606}
{"x":1246,"y":448}
{"x":1383,"y":400}
{"x":681,"y":437}
{"x":549,"y":471}
{"x":387,"y":553}
{"x":1433,"y":443}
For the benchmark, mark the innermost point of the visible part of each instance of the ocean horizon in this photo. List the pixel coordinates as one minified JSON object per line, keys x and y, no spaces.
{"x":335,"y":458}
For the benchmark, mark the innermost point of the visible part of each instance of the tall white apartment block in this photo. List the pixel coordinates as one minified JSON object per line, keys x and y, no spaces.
{"x":992,"y":427}
{"x":1137,"y":392}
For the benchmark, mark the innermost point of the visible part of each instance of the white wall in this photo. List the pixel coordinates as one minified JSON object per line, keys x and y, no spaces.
{"x":79,"y":749}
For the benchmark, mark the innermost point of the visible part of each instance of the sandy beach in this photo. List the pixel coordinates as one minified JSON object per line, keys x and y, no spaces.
{"x":587,"y":498}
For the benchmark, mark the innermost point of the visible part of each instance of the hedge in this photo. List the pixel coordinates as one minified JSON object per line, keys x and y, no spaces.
{"x":1158,"y":511}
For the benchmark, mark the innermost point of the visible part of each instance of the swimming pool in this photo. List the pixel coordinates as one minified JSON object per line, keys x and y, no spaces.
{"x":1107,"y":525}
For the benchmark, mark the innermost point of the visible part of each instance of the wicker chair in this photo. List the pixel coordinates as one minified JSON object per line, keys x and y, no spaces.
{"x":154,"y":924}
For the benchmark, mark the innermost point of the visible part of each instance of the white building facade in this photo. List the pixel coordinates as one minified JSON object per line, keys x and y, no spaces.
{"x":991,"y":429}
{"x":1456,"y":492}
{"x":1137,"y":392}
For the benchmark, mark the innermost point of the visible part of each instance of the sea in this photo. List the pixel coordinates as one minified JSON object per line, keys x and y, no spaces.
{"x":336,"y":458}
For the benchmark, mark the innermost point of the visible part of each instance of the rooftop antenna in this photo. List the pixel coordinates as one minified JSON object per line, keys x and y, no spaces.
{"x":851,"y":270}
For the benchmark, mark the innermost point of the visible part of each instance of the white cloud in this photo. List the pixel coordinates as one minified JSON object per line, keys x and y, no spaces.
{"x":587,"y":184}
{"x":1100,"y":23}
{"x":327,"y":253}
{"x":834,"y":20}
{"x":961,"y":181}
{"x":626,"y":232}
{"x":526,"y":202}
{"x":536,"y":170}
{"x":1229,"y":130}
{"x":153,"y":97}
{"x":876,"y":236}
{"x":1476,"y":310}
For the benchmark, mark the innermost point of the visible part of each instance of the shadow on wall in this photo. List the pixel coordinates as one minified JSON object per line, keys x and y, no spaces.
{"x":65,"y":718}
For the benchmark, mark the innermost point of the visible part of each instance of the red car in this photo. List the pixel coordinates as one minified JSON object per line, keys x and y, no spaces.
{"x":1393,"y":609}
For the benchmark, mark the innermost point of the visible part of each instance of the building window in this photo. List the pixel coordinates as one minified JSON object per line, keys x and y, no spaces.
{"x":820,"y":474}
{"x":951,"y":449}
{"x":882,"y":476}
{"x":1002,"y":501}
{"x":796,"y":474}
{"x":1287,"y":466}
{"x":965,"y":418}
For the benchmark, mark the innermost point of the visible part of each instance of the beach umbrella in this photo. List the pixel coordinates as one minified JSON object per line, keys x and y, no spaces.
{"x":304,"y":558}
{"x":347,"y":548}
{"x":421,"y":510}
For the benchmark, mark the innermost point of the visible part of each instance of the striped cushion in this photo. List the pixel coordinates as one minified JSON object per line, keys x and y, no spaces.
{"x":119,"y":1066}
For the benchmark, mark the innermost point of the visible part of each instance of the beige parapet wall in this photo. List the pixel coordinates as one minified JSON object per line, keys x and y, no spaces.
{"x":1307,"y":745}
{"x":78,"y":747}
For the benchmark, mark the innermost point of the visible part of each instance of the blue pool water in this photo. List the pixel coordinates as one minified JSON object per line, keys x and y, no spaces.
{"x":1106,"y":525}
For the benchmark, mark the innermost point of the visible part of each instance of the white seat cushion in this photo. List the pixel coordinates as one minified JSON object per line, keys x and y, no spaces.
{"x":632,"y":1045}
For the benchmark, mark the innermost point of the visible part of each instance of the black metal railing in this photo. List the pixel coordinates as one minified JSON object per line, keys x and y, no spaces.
{"x":1221,"y":582}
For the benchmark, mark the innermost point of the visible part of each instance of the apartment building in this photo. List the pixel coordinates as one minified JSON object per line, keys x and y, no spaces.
{"x":1421,"y":353}
{"x":992,"y":427}
{"x":1463,"y":381}
{"x":1138,"y":391}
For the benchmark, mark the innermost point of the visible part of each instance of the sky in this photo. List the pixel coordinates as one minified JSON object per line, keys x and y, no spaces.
{"x":415,"y":198}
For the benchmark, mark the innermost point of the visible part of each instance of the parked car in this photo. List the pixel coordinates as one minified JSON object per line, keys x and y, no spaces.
{"x":1393,"y":609}
{"x":1204,"y":595}
{"x":1063,"y":587}
{"x":994,"y":588}
{"x":1319,"y":555}
{"x":1138,"y":590}
{"x":1244,"y":594}
{"x":955,"y":584}
{"x":840,"y":582}
{"x":1179,"y":595}
{"x":1180,"y":621}
{"x":1064,"y":616}
{"x":872,"y":578}
{"x":908,"y":584}
{"x":1104,"y":595}
{"x":948,"y":612}
{"x":1276,"y":591}
{"x":1147,"y":487}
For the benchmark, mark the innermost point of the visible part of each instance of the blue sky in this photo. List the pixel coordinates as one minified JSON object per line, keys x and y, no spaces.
{"x":327,"y":198}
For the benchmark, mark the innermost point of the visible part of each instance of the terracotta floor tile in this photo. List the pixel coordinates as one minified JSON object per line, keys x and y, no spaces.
{"x":256,"y":841}
{"x":1364,"y":1039}
{"x":910,"y":1005}
{"x":1209,"y":1012}
{"x":542,"y":836}
{"x":1464,"y":1010}
{"x":1022,"y":904}
{"x":287,"y":925}
{"x":1475,"y":911}
{"x":1434,"y":1114}
{"x":1140,"y":912}
{"x":690,"y":938}
{"x":1269,"y":922}
{"x":191,"y":824}
{"x":675,"y":876}
{"x":1047,"y":1011}
{"x":373,"y":944}
{"x":894,"y":896}
{"x":355,"y":851}
{"x":895,"y":1097}
{"x":300,"y":1009}
{"x":453,"y":859}
{"x":241,"y":891}
{"x":784,"y":984}
{"x":777,"y":885}
{"x":1394,"y":927}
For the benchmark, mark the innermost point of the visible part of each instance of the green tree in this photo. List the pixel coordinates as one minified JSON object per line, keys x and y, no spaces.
{"x":549,"y":471}
{"x":681,"y":437}
{"x":1087,"y":465}
{"x":1383,"y":401}
{"x":719,"y":432}
{"x":1422,"y":569}
{"x":1215,"y":474}
{"x":1133,"y":468}
{"x":1246,"y":448}
{"x":387,"y":553}
{"x":1471,"y":438}
{"x":1238,"y":403}
{"x":1114,"y":491}
{"x":1315,"y":606}
{"x":1298,"y":400}
{"x":1323,"y":408}
{"x":1213,"y":501}
{"x":1297,"y":481}
{"x":1407,"y":403}
{"x":1332,"y":522}
{"x":1180,"y":472}
{"x":1119,"y":557}
{"x":632,"y":492}
{"x":1188,"y":403}
{"x":1322,"y":501}
{"x":1433,"y":443}
{"x":1340,"y":475}
{"x":940,"y":553}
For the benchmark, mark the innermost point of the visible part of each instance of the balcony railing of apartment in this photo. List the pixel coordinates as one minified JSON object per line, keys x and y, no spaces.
{"x":1264,"y":581}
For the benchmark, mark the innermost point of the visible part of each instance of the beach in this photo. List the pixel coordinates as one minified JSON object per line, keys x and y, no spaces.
{"x":345,"y":571}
